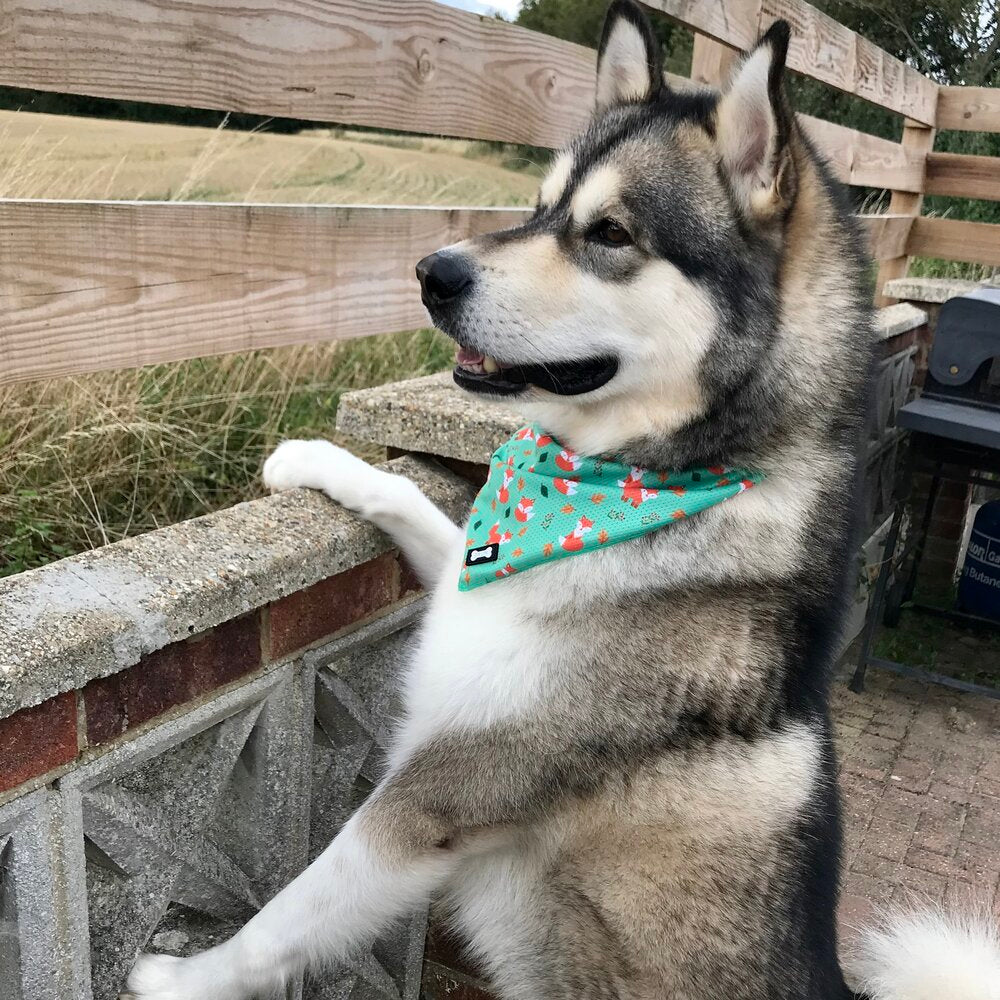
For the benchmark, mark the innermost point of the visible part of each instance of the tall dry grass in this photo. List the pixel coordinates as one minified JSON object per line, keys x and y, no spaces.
{"x":90,"y":460}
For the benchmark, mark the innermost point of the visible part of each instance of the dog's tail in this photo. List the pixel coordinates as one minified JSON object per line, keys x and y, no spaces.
{"x":929,"y":956}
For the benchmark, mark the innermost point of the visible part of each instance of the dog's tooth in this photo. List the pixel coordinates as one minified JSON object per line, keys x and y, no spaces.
{"x":490,"y":365}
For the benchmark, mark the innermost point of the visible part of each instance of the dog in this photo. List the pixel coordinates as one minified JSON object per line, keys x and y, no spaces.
{"x":616,"y":770}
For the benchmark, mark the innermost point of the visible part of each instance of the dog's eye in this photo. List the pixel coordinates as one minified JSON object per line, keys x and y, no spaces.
{"x":610,"y":233}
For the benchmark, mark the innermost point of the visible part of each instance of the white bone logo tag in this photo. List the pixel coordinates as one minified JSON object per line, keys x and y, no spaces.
{"x":483,"y":554}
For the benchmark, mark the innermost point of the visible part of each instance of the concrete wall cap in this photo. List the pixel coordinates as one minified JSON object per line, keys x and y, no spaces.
{"x":891,"y":321}
{"x":429,"y":414}
{"x":100,"y":612}
{"x":932,"y":290}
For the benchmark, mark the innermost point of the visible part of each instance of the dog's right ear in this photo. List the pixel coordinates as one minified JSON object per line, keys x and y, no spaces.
{"x":629,"y":61}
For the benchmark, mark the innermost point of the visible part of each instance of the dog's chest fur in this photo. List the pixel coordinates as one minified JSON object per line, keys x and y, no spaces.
{"x":645,"y":659}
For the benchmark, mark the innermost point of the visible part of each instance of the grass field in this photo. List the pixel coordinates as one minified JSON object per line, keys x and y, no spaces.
{"x":51,"y":156}
{"x":89,"y":460}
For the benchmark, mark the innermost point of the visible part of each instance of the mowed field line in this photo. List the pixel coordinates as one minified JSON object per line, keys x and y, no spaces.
{"x":54,"y":156}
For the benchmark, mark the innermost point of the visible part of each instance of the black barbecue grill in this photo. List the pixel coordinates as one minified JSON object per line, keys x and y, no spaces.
{"x":954,"y":435}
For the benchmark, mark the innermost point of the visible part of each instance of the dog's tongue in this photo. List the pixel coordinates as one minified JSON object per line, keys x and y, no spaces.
{"x":467,"y":358}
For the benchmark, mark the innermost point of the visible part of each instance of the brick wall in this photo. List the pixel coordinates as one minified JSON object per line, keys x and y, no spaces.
{"x":39,"y":742}
{"x":186,"y":719}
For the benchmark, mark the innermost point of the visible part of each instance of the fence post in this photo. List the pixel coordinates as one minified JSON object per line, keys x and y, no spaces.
{"x":919,"y":140}
{"x":711,"y":61}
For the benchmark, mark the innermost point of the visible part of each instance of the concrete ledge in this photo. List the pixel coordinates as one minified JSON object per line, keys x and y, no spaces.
{"x":891,"y":321}
{"x":933,"y":290}
{"x":99,"y":613}
{"x":429,"y":414}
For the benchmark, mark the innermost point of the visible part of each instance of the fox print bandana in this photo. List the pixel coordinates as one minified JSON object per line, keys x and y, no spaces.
{"x":543,"y":502}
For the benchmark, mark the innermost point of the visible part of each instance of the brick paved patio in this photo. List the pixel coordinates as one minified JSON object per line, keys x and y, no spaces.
{"x":920,"y":775}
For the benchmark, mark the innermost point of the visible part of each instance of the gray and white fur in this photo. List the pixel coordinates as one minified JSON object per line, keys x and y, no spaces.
{"x":616,"y":771}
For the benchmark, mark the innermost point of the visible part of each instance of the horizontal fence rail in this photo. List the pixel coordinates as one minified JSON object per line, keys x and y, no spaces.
{"x":969,"y":109}
{"x":94,"y":286}
{"x":955,"y":239}
{"x":413,"y":65}
{"x":963,"y":176}
{"x":820,"y":48}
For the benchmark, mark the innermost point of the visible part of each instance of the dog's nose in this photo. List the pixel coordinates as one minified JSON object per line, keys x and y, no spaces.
{"x":443,"y":277}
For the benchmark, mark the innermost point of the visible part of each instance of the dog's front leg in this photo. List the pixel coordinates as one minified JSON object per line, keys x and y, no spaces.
{"x":392,"y":503}
{"x":373,"y":873}
{"x":392,"y":856}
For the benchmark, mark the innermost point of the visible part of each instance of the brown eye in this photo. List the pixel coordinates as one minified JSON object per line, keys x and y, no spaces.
{"x":611,"y":233}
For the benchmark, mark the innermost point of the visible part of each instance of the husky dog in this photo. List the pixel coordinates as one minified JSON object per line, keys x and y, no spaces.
{"x":617,"y":771}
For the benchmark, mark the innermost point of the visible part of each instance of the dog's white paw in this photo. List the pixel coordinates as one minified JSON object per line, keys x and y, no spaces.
{"x":317,"y":465}
{"x":208,"y":976}
{"x":157,"y":977}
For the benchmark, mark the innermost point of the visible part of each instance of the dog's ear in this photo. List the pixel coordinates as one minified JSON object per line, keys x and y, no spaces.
{"x":754,"y":125}
{"x":629,"y":61}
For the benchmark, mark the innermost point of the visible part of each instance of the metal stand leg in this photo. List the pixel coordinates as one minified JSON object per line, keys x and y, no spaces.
{"x":921,"y":541}
{"x":878,"y":599}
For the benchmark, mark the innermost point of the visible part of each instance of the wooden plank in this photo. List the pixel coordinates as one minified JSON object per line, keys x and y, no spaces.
{"x":93,"y":286}
{"x":820,"y":48}
{"x":863,"y":159}
{"x":887,"y":234}
{"x":90,"y":286}
{"x":969,"y":109}
{"x":414,"y":65}
{"x":919,"y":140}
{"x":954,"y":239}
{"x":963,"y":176}
{"x":711,"y":61}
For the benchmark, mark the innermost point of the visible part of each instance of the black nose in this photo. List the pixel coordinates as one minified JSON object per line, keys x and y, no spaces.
{"x":443,"y":277}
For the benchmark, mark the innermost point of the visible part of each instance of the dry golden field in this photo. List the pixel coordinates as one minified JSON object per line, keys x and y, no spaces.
{"x":89,"y":460}
{"x":53,"y":156}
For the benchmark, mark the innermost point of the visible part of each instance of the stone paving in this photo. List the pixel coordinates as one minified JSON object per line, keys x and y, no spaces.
{"x":920,"y":776}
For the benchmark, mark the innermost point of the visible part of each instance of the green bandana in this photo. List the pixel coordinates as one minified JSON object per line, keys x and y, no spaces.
{"x":542,"y":502}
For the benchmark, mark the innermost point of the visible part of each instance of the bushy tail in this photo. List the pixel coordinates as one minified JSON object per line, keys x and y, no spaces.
{"x":929,"y":956}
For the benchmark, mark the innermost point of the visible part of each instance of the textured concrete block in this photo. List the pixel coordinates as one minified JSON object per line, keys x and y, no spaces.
{"x":36,"y":740}
{"x":355,"y":698}
{"x":325,"y":608}
{"x":430,"y":415}
{"x":171,"y":676}
{"x":39,"y":933}
{"x":187,"y":830}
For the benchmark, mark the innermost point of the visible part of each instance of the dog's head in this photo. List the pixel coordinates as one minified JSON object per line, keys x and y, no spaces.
{"x":640,"y":297}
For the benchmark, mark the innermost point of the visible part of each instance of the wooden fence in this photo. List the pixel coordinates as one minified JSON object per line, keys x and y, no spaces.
{"x":88,"y":286}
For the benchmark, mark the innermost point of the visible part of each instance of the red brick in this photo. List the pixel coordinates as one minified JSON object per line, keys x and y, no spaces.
{"x":37,"y":739}
{"x":926,"y":884}
{"x":855,"y":912}
{"x":887,"y":840}
{"x":409,"y":582}
{"x":305,"y":617}
{"x":936,"y":841}
{"x":878,"y":890}
{"x":942,"y":790}
{"x":171,"y":676}
{"x":902,"y":809}
{"x":986,"y":786}
{"x":865,"y":863}
{"x":914,"y":775}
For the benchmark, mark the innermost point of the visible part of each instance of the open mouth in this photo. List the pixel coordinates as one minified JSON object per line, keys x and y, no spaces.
{"x":478,"y":372}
